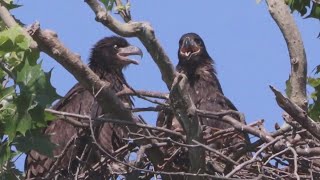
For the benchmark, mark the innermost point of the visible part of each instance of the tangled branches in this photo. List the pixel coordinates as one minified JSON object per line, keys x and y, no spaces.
{"x":290,"y":152}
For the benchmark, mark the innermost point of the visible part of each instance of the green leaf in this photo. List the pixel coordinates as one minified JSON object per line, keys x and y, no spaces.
{"x":22,"y":42}
{"x":315,"y":11}
{"x":31,"y":57}
{"x":45,"y":93}
{"x":22,"y":120}
{"x":34,"y":140}
{"x":36,"y":93}
{"x":6,"y":93}
{"x":314,"y":82}
{"x":299,"y":5}
{"x":314,"y":106}
{"x":49,"y":116}
{"x":108,"y":4}
{"x":288,"y":87}
{"x":317,"y":69}
{"x":27,"y":75}
{"x":9,"y":4}
{"x":105,"y":2}
{"x":5,"y":152}
{"x":13,"y":33}
{"x":3,"y":39}
{"x":3,"y":26}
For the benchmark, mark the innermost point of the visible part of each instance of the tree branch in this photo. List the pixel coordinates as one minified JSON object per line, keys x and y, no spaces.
{"x":185,"y":112}
{"x":131,"y":92}
{"x":253,"y":159}
{"x":297,"y":113}
{"x":298,"y":76}
{"x":65,"y":115}
{"x":144,"y":32}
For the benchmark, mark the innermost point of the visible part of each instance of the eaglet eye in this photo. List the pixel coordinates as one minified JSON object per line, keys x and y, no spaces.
{"x":116,"y":47}
{"x":198,"y":41}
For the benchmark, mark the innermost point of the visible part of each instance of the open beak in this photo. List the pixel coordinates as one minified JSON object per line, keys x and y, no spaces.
{"x":124,"y":52}
{"x":189,"y":48}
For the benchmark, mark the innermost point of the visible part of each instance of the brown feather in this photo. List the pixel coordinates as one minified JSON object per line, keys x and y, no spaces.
{"x":204,"y":89}
{"x":78,"y":100}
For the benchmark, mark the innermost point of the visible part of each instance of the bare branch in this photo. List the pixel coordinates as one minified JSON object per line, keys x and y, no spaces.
{"x":254,"y":158}
{"x":144,"y":32}
{"x":295,"y":159}
{"x":297,"y":113}
{"x":216,"y":152}
{"x":65,"y":115}
{"x":128,"y":91}
{"x":298,"y":77}
{"x":266,"y":137}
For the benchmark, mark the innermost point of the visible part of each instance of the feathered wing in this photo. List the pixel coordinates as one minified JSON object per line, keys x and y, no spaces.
{"x":77,"y":100}
{"x":206,"y":93}
{"x":107,"y":62}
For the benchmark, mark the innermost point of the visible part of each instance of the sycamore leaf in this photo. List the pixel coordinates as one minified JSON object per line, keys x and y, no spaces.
{"x":299,"y":5}
{"x":22,"y":42}
{"x":36,"y":93}
{"x":5,"y":93}
{"x":314,"y":82}
{"x":4,"y":153}
{"x":314,"y":106}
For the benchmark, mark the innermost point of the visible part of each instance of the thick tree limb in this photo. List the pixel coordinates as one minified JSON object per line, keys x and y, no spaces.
{"x":297,"y":113}
{"x":144,"y":32}
{"x":298,"y":76}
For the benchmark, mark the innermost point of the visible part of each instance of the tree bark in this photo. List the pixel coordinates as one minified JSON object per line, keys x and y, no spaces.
{"x":298,"y":76}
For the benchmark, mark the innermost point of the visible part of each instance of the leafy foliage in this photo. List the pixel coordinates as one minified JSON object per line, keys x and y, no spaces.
{"x":108,"y":4}
{"x":303,"y":6}
{"x":25,"y":93}
{"x":314,"y":107}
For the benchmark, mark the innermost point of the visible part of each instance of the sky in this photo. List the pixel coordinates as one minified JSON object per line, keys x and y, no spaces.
{"x":247,"y":46}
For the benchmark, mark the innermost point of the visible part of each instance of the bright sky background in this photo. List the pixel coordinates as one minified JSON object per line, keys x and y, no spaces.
{"x":247,"y":46}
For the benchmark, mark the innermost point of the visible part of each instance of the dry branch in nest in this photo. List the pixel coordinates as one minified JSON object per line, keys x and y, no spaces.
{"x":291,"y":152}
